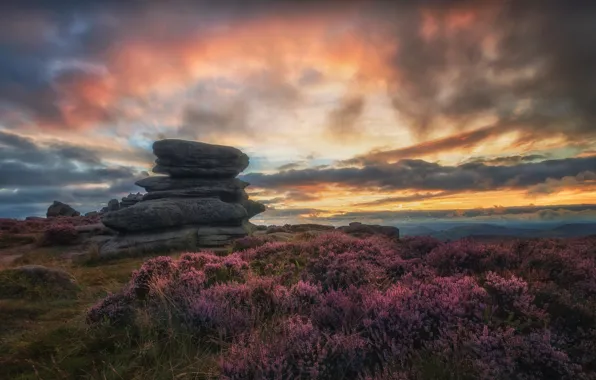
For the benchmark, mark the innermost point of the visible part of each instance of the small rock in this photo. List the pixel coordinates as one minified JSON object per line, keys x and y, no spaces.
{"x":113,"y":205}
{"x":36,"y":281}
{"x":61,"y":209}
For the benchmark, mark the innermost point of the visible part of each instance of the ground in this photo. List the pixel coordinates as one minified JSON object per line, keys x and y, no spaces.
{"x":307,"y":305}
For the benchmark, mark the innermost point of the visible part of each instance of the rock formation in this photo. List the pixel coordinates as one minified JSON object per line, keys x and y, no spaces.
{"x":199,"y":204}
{"x":131,"y":200}
{"x":113,"y":205}
{"x":61,"y":209}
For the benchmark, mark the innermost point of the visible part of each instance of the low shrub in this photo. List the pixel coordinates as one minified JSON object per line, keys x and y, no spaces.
{"x":59,"y":234}
{"x":336,"y":306}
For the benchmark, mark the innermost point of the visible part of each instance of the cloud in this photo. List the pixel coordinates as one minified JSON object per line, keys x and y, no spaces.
{"x":509,"y":160}
{"x":552,"y":185}
{"x":204,"y":122}
{"x":456,"y":142}
{"x":343,"y":119}
{"x":422,"y":175}
{"x":33,"y":175}
{"x":530,"y":65}
{"x":291,"y":165}
{"x":404,"y":199}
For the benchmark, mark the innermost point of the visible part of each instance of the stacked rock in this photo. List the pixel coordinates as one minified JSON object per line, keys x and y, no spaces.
{"x":131,"y":200}
{"x":199,"y":200}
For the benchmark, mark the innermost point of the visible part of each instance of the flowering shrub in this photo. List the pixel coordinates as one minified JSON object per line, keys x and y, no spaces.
{"x":60,"y":234}
{"x":335,"y":306}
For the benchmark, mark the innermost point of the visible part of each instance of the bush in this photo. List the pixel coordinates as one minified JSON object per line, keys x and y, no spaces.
{"x":36,"y":282}
{"x":335,"y":306}
{"x":59,"y":234}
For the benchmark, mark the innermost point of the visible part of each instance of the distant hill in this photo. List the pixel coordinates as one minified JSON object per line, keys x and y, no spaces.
{"x":491,"y":230}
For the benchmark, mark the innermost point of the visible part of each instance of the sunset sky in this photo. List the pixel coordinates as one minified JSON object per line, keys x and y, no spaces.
{"x":349,"y":110}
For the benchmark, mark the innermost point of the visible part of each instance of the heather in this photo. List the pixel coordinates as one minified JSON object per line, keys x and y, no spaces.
{"x":334,"y":306}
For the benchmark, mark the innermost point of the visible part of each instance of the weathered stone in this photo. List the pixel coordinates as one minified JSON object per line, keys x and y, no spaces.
{"x":224,"y":171}
{"x":181,"y":158}
{"x":131,"y":199}
{"x":230,"y":195}
{"x":236,"y":231}
{"x":163,"y":213}
{"x":253,"y":207}
{"x":215,"y":240}
{"x":175,"y":152}
{"x":163,"y":183}
{"x":61,"y":209}
{"x":113,"y":205}
{"x":180,"y":238}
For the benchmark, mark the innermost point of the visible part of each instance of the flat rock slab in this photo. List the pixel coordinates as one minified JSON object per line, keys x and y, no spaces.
{"x":163,"y":183}
{"x":165,"y":213}
{"x":183,"y":238}
{"x":231,"y":195}
{"x":182,"y":158}
{"x":193,"y":153}
{"x":225,"y":170}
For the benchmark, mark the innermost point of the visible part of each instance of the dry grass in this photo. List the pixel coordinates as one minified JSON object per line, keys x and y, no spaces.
{"x":47,"y":337}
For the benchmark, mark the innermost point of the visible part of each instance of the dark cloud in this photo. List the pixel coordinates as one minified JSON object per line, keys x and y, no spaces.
{"x":343,"y":119}
{"x":521,"y":213}
{"x":404,"y":199}
{"x":291,"y":165}
{"x":310,"y":77}
{"x":537,"y":77}
{"x":204,"y":122}
{"x":509,"y":160}
{"x":451,"y":143}
{"x":32,"y":176}
{"x":422,"y":175}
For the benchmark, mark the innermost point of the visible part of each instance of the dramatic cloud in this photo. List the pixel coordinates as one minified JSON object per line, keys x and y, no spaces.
{"x":414,"y":102}
{"x":451,"y":143}
{"x":32,"y":176}
{"x":342,"y":120}
{"x":422,"y":175}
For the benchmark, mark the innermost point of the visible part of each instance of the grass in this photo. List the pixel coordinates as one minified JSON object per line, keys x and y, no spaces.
{"x":47,"y":337}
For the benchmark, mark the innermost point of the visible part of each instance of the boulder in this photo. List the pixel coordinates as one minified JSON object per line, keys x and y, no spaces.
{"x":164,"y":183}
{"x":61,"y":209}
{"x":113,"y":205}
{"x":252,"y":207}
{"x":175,"y":152}
{"x":179,"y":238}
{"x":359,"y":229}
{"x":164,"y":213}
{"x":182,"y":159}
{"x":230,"y":171}
{"x":131,"y":199}
{"x":226,"y":194}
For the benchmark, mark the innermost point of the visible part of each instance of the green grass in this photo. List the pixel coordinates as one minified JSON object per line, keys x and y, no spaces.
{"x":47,"y":337}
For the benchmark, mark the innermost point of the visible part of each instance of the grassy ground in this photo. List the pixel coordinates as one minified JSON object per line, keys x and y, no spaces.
{"x":48,"y":338}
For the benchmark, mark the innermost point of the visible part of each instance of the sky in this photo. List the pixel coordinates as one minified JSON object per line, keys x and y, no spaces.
{"x":376,"y":111}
